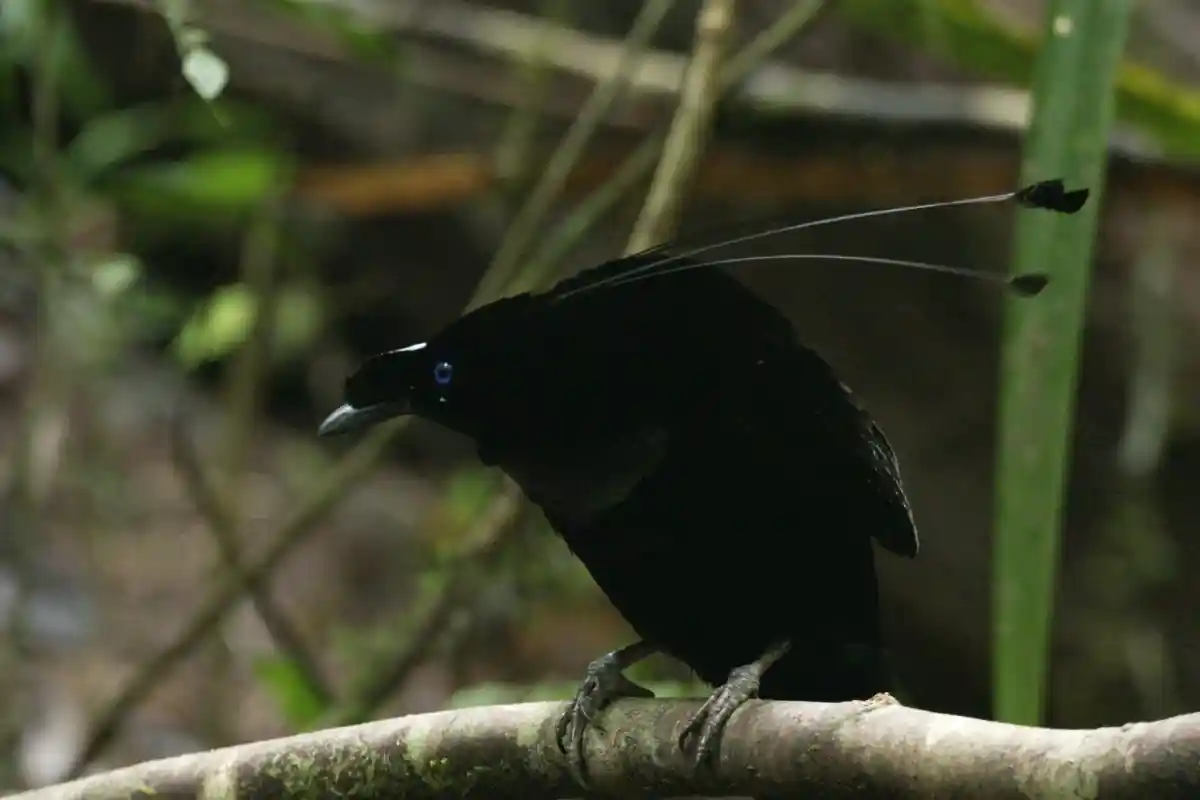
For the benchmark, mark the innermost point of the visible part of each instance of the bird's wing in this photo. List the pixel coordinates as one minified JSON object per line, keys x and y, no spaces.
{"x":791,"y":404}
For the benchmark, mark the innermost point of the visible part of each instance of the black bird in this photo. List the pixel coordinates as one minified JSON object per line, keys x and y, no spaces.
{"x":719,"y":482}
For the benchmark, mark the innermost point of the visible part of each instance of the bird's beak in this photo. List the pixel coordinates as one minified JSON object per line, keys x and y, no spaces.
{"x":347,"y":418}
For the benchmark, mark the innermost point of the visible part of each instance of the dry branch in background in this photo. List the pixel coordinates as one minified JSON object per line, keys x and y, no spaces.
{"x":223,"y":528}
{"x":689,"y":130}
{"x":506,"y":36}
{"x":861,"y":750}
{"x":527,"y":222}
{"x":496,"y":527}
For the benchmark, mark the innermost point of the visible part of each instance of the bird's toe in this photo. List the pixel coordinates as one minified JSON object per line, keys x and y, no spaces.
{"x":604,"y":683}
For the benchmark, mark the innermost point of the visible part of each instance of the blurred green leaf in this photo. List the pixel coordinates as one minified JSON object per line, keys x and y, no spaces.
{"x":966,"y":33}
{"x":1068,"y":136}
{"x":81,"y":91}
{"x":218,"y":327}
{"x":113,"y":139}
{"x":219,"y":182}
{"x":468,"y":495}
{"x":369,"y":44}
{"x":222,"y":324}
{"x":115,"y":274}
{"x":297,"y":702}
{"x":230,"y":178}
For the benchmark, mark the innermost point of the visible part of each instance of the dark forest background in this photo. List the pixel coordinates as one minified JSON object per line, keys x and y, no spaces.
{"x":210,"y":210}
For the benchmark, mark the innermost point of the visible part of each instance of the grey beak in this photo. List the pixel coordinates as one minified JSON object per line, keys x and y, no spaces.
{"x":347,"y":418}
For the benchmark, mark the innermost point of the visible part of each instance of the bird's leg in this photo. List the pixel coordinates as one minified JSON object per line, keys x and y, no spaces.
{"x":605,"y":682}
{"x":708,"y":723}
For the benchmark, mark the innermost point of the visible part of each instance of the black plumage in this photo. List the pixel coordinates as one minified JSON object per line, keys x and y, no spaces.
{"x":719,"y":482}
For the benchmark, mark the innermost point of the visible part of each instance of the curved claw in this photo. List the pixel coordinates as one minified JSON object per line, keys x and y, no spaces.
{"x":605,"y":682}
{"x":706,"y":726}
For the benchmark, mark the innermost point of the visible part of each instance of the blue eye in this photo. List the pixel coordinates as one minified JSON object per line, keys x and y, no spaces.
{"x":443,"y":372}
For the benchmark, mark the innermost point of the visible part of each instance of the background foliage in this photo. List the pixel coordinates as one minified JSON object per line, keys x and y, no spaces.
{"x":210,"y":209}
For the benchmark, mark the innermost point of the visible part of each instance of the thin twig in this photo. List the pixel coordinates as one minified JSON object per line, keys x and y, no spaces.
{"x":588,"y":213}
{"x":638,"y":163}
{"x":294,"y":531}
{"x":221,"y":525}
{"x":783,"y":30}
{"x":529,"y":219}
{"x":490,"y":533}
{"x":261,"y":273}
{"x":689,"y":130}
{"x":513,"y":156}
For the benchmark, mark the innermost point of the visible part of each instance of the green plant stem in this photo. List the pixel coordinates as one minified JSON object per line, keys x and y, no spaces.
{"x":1068,"y":137}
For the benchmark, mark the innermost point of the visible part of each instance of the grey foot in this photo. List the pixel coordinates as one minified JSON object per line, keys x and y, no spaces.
{"x":605,"y":682}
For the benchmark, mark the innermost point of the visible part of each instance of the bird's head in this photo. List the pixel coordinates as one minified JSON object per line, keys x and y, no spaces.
{"x":518,"y":368}
{"x":613,"y":349}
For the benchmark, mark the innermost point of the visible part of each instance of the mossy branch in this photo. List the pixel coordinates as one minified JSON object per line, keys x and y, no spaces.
{"x":864,"y":750}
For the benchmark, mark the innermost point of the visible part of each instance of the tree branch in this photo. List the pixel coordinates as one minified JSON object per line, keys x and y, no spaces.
{"x":689,"y":129}
{"x":506,"y":36}
{"x":528,"y":220}
{"x":488,"y":536}
{"x":223,"y":528}
{"x":863,"y":750}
